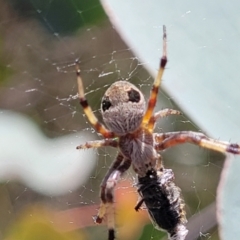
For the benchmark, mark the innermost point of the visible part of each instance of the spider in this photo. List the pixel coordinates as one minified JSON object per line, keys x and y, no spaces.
{"x":129,"y":128}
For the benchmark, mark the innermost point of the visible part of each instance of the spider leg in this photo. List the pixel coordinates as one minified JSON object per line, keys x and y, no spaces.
{"x":119,"y":166}
{"x":102,"y":210}
{"x":112,"y":142}
{"x":160,"y":114}
{"x":170,"y":139}
{"x":88,"y":110}
{"x":153,"y":95}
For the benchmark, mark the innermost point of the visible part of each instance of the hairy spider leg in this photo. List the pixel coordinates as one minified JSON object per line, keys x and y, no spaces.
{"x":170,"y":139}
{"x":160,"y":114}
{"x":111,"y":142}
{"x":119,"y":166}
{"x":102,"y":210}
{"x":87,"y":109}
{"x":153,"y":95}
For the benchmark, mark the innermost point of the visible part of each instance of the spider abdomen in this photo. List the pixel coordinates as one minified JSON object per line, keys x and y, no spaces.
{"x":139,"y":148}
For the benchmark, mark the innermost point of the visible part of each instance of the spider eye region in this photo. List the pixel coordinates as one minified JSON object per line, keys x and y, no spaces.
{"x":134,"y":95}
{"x":106,"y":104}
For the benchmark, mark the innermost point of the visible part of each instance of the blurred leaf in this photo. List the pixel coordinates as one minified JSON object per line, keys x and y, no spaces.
{"x":126,"y":216}
{"x":76,"y":13}
{"x":35,"y":223}
{"x":228,"y":211}
{"x":150,"y":231}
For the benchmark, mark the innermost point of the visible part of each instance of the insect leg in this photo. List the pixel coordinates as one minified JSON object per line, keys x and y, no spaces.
{"x":139,"y":204}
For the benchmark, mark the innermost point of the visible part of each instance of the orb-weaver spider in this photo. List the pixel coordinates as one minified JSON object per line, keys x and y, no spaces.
{"x":130,"y":128}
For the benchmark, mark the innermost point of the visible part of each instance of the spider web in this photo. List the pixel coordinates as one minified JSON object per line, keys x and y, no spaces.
{"x":38,"y":50}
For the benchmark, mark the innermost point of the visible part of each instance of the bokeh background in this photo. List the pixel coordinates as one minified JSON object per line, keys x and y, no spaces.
{"x":48,"y":189}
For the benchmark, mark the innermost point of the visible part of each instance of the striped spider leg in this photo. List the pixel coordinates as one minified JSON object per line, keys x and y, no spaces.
{"x":170,"y":139}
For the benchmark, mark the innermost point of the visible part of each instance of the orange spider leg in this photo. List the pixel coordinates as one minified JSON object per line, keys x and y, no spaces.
{"x":88,"y":110}
{"x":153,"y":95}
{"x":170,"y":139}
{"x":160,"y":114}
